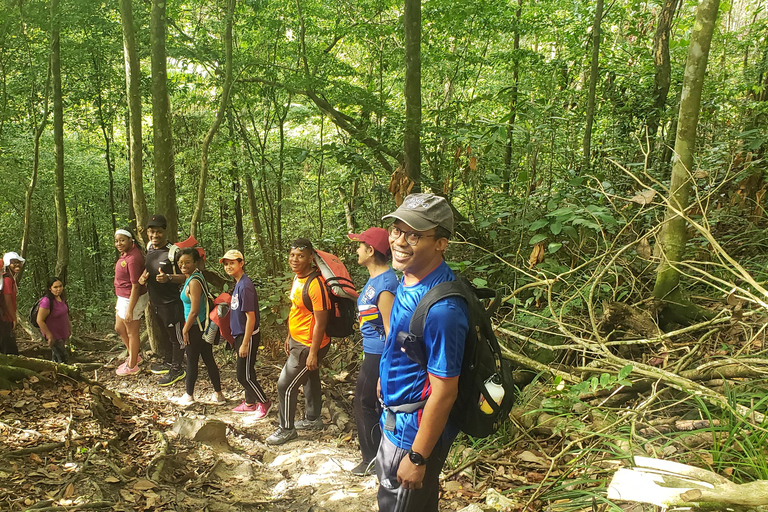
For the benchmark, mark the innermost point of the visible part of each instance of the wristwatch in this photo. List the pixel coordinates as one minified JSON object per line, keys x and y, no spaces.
{"x":416,"y":458}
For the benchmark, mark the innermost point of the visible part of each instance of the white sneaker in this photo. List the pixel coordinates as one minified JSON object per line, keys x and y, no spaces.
{"x":218,"y":397}
{"x":185,"y":400}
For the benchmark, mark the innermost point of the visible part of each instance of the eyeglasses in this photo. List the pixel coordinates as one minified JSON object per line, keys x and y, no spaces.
{"x":299,"y":247}
{"x":411,"y":237}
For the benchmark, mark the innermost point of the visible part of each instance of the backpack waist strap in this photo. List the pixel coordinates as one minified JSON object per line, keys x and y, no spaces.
{"x":391,"y":411}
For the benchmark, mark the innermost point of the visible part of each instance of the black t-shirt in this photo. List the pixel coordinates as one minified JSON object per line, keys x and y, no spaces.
{"x":160,"y":293}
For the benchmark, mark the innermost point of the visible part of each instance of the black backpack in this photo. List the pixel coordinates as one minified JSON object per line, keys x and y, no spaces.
{"x":341,"y":321}
{"x":33,"y":313}
{"x":482,"y":357}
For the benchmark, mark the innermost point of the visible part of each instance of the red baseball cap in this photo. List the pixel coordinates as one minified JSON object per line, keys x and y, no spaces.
{"x":378,"y":238}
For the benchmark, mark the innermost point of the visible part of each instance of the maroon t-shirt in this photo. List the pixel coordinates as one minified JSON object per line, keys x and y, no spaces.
{"x":128,"y":270}
{"x":9,"y":288}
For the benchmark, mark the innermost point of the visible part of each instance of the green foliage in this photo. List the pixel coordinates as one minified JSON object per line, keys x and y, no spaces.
{"x":563,"y":397}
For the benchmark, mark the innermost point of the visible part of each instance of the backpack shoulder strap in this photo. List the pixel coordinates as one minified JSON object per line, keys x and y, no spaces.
{"x":315,"y":274}
{"x":207,"y":295}
{"x":456,"y":288}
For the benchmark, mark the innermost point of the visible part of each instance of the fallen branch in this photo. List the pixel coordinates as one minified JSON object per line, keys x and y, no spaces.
{"x":73,"y":508}
{"x":42,"y":448}
{"x":158,"y":459}
{"x":671,"y":484}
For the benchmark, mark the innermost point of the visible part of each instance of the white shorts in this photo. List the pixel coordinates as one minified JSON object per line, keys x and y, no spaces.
{"x":121,"y":308}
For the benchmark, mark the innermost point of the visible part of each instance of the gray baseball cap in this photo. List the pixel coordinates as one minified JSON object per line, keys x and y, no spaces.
{"x":423,"y":212}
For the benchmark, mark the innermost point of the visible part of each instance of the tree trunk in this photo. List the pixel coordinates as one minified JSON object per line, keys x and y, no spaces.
{"x":411,"y":139}
{"x":507,"y":172}
{"x":661,"y":80}
{"x":673,"y":234}
{"x":107,"y":133}
{"x":165,"y":180}
{"x":320,"y":180}
{"x":197,"y":215}
{"x":62,"y":237}
{"x":265,"y":251}
{"x":593,"y":73}
{"x":138,"y":203}
{"x":281,"y":168}
{"x":35,"y":167}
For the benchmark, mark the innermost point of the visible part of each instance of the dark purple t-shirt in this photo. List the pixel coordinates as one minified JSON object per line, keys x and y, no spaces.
{"x":58,"y":318}
{"x":243,"y":299}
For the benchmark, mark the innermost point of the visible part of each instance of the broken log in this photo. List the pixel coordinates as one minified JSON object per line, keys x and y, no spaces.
{"x":671,"y":484}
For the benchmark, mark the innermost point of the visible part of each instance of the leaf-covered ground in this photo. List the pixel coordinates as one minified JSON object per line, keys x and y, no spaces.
{"x":65,"y":443}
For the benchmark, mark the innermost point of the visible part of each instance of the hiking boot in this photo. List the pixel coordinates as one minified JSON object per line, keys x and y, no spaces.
{"x":160,"y":368}
{"x":262,"y":409}
{"x":127,"y":370}
{"x":364,"y":468}
{"x":244,"y":407}
{"x":281,"y":436}
{"x":305,"y":424}
{"x":171,"y":377}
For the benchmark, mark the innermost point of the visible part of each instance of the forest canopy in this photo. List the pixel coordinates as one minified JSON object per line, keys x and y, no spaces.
{"x":541,"y":121}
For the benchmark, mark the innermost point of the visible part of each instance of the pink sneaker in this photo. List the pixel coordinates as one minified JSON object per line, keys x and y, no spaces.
{"x":262,"y":410}
{"x":138,"y":361}
{"x":244,"y":407}
{"x":126,"y":370}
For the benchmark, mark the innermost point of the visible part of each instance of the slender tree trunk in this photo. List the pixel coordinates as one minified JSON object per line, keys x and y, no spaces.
{"x":197,"y":215}
{"x":280,"y":171}
{"x":411,"y":139}
{"x":673,"y":233}
{"x":35,"y":168}
{"x":512,"y":101}
{"x":107,"y":133}
{"x":593,"y":74}
{"x":239,"y":230}
{"x":320,"y":180}
{"x":162,"y":133}
{"x":265,"y":252}
{"x":661,"y":62}
{"x":38,"y":133}
{"x":138,"y":203}
{"x":62,"y":236}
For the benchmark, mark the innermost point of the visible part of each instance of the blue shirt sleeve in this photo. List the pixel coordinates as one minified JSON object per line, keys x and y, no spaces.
{"x":248,"y":298}
{"x":445,"y":330}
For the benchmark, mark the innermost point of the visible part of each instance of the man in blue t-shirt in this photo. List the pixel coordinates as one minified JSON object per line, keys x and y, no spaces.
{"x":417,"y":435}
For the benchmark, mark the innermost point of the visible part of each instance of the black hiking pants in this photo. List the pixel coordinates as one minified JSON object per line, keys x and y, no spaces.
{"x":367,"y":407}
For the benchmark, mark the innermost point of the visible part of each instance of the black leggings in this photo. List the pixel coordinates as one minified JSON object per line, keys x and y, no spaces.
{"x":367,"y":408}
{"x":196,"y":349}
{"x":171,"y":316}
{"x":7,"y":338}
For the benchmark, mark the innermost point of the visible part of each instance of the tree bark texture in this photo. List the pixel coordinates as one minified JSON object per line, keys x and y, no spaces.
{"x":62,"y":237}
{"x":411,"y":140}
{"x":35,"y":167}
{"x":256,"y":222}
{"x":662,"y":77}
{"x":512,"y":101}
{"x":197,"y":215}
{"x":593,"y":74}
{"x":138,"y":203}
{"x":673,"y":234}
{"x":165,"y":180}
